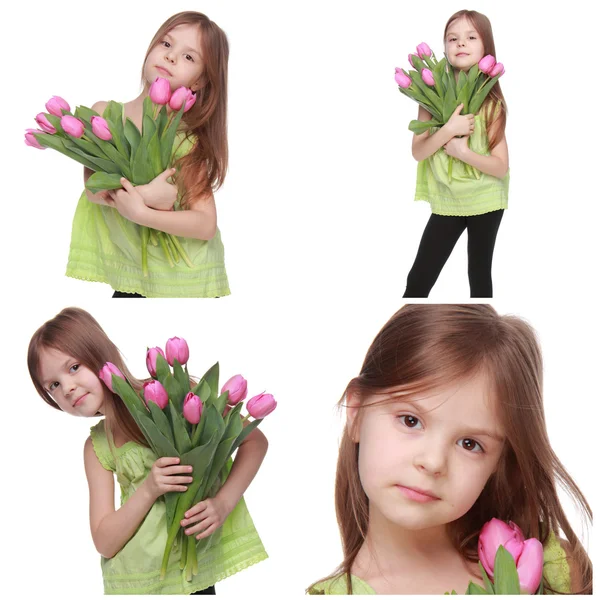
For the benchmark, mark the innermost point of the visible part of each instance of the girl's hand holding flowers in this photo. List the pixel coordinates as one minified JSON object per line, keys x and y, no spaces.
{"x":460,"y":124}
{"x":159,"y":194}
{"x":129,"y":202}
{"x":208,"y":515}
{"x":166,"y":475}
{"x":457,"y":147}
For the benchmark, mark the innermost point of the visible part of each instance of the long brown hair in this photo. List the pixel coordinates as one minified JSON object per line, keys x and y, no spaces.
{"x":203,"y":169}
{"x":76,"y":333}
{"x":424,"y":346}
{"x":495,"y":119}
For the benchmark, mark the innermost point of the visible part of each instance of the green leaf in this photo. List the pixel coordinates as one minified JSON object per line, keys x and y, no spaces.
{"x":175,"y":391}
{"x":182,"y":438}
{"x":221,"y":402}
{"x":161,"y":421}
{"x":475,"y":590}
{"x":163,"y":446}
{"x":248,"y":429}
{"x":133,"y":135}
{"x":506,"y":578}
{"x":234,"y":413}
{"x":162,"y":368}
{"x":212,"y":422}
{"x":168,"y":138}
{"x":154,"y":155}
{"x":113,"y":113}
{"x":140,"y":171}
{"x":55,"y":142}
{"x":211,"y":377}
{"x":462,"y":81}
{"x":481,"y":95}
{"x":103,"y":164}
{"x":161,"y":121}
{"x":449,"y":107}
{"x":99,"y":181}
{"x":180,"y":376}
{"x":85,"y":113}
{"x":486,"y":580}
{"x":419,"y":127}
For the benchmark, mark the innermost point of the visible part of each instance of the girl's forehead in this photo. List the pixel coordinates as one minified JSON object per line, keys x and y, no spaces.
{"x":460,"y":25}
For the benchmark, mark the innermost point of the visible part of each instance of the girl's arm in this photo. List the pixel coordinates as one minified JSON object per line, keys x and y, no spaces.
{"x":199,"y":221}
{"x":424,"y":145}
{"x":496,"y":164}
{"x":212,"y":512}
{"x":112,"y":529}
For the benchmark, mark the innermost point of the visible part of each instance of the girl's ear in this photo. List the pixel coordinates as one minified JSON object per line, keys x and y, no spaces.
{"x":352,"y":407}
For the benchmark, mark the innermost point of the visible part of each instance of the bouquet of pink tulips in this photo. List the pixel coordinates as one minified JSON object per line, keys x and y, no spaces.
{"x":434,"y":86}
{"x":509,"y":563}
{"x":193,"y":421}
{"x":113,"y":147}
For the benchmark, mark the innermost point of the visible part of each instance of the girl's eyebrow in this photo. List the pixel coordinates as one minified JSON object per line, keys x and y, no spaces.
{"x":485,"y":433}
{"x":452,"y":33}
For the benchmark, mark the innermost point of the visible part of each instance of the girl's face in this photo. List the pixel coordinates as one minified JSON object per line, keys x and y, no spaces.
{"x":463,"y":45}
{"x":76,"y":389}
{"x":423,"y":462}
{"x":177,"y":57}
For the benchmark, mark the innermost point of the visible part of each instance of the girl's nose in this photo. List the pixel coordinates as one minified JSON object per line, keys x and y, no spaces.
{"x":431,"y":461}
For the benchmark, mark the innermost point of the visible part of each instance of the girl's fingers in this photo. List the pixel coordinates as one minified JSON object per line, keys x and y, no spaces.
{"x":206,"y":533}
{"x":176,"y":470}
{"x":173,"y":479}
{"x":165,"y":461}
{"x":196,"y":509}
{"x":127,"y":185}
{"x":200,"y":525}
{"x":166,"y":174}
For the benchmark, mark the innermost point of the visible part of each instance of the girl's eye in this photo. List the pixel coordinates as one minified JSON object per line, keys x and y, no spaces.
{"x":74,"y":368}
{"x":470,"y":445}
{"x":410,"y":421}
{"x":52,"y":386}
{"x":188,"y":57}
{"x":166,"y":44}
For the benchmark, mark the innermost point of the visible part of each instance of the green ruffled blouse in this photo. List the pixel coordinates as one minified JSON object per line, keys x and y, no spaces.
{"x":106,"y":247}
{"x":556,"y":573}
{"x":462,"y":195}
{"x":135,"y":569}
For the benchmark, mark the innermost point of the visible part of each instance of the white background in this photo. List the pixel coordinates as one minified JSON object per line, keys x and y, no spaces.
{"x":320,"y":231}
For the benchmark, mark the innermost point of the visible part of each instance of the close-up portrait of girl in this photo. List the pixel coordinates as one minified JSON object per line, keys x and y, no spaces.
{"x":445,"y":432}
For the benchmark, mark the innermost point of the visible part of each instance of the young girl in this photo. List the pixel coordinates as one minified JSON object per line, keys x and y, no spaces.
{"x":445,"y":430}
{"x":476,"y":204}
{"x":187,"y":50}
{"x":64,"y":357}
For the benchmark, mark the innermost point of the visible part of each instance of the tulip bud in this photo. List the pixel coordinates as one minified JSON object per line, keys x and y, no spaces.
{"x":177,"y":348}
{"x":260,"y":406}
{"x":42,"y":120}
{"x":494,"y":534}
{"x":106,"y":373}
{"x":192,"y":408}
{"x":180,"y":97}
{"x":155,"y":392}
{"x":190,"y":102}
{"x":151,"y":355}
{"x":72,"y":126}
{"x":423,"y":50}
{"x":427,"y":76}
{"x":403,"y":80}
{"x":237,"y":387}
{"x":410,"y":60}
{"x":30,"y":139}
{"x":486,"y":64}
{"x":160,"y":91}
{"x":497,"y":70}
{"x":56,"y":105}
{"x":530,"y":566}
{"x":100,"y":128}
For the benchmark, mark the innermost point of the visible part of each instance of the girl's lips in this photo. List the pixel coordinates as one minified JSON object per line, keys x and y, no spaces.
{"x":416,"y":495}
{"x":163,"y":70}
{"x":79,"y":400}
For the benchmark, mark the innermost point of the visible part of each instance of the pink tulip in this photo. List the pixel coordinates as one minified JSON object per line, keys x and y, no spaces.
{"x":100,"y":128}
{"x":402,"y":79}
{"x":530,"y":566}
{"x":42,"y":120}
{"x":106,"y":373}
{"x":180,"y":97}
{"x":56,"y":105}
{"x":260,"y":406}
{"x":423,"y":50}
{"x":192,"y":408}
{"x":237,"y":387}
{"x":151,"y":355}
{"x":30,"y":139}
{"x":528,"y":554}
{"x":190,"y":102}
{"x":155,"y":392}
{"x":486,"y":64}
{"x":72,"y":126}
{"x":427,"y":76}
{"x":497,"y":70}
{"x":160,"y":91}
{"x":177,"y":348}
{"x":410,"y":60}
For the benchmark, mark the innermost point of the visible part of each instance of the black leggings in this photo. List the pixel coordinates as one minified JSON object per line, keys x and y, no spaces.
{"x":209,"y":591}
{"x":440,"y":237}
{"x":127,"y":295}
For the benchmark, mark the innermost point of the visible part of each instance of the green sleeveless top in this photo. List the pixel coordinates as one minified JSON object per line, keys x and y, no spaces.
{"x":135,"y":569}
{"x":106,"y":247}
{"x":462,"y":195}
{"x":556,"y":573}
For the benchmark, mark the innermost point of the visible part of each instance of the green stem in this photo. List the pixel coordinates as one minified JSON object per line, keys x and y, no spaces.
{"x":184,"y":548}
{"x":172,"y":248}
{"x":182,"y":252}
{"x":145,"y":238}
{"x":153,"y":237}
{"x":191,"y":567}
{"x":165,"y":247}
{"x":450,"y":168}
